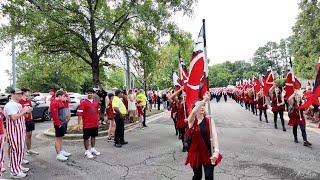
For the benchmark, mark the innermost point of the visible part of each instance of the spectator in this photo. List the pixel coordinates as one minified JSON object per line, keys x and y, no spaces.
{"x":102,"y":94}
{"x":119,"y":111}
{"x":88,"y":111}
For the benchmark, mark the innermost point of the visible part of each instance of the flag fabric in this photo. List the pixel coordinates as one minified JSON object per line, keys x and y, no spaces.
{"x":198,"y":73}
{"x":183,"y":72}
{"x":292,"y":83}
{"x":176,"y":81}
{"x":269,"y":80}
{"x":256,"y":85}
{"x":316,"y":90}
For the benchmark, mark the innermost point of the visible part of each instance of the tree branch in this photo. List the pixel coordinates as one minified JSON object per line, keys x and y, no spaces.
{"x":104,"y":49}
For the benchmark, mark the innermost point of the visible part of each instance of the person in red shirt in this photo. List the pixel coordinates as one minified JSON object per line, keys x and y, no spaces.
{"x":52,"y":93}
{"x":3,"y":137}
{"x":60,"y":122}
{"x":89,"y":112}
{"x":24,"y":101}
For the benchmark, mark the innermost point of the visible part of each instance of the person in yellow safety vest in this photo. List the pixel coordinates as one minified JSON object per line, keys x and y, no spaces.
{"x":142,"y":97}
{"x":120,"y":111}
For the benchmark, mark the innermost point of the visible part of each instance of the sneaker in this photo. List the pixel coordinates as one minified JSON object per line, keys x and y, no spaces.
{"x":31,"y":152}
{"x":24,"y":161}
{"x":61,"y":157}
{"x":296,"y":141}
{"x":306,"y":143}
{"x":284,"y":129}
{"x":95,"y":152}
{"x":3,"y":170}
{"x":18,"y":175}
{"x":24,"y":169}
{"x":88,"y":154}
{"x":118,"y":145}
{"x":109,"y":139}
{"x":66,"y":154}
{"x":103,"y":123}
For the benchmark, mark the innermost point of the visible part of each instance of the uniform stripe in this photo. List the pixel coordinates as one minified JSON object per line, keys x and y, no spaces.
{"x":16,"y":131}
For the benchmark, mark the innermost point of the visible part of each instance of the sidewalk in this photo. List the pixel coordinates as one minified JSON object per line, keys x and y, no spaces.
{"x":310,"y":126}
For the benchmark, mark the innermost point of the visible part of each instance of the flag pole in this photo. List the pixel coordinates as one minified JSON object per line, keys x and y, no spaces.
{"x":209,"y":107}
{"x":184,"y":100}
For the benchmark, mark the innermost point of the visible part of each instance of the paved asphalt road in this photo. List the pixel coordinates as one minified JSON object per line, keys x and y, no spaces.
{"x":251,"y":150}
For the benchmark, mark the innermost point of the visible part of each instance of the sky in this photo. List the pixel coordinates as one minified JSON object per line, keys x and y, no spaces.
{"x":234,"y":28}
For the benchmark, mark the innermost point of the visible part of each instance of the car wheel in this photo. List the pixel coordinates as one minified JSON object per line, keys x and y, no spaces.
{"x":46,"y":115}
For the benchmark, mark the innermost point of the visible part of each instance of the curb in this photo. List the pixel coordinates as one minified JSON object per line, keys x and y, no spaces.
{"x":310,"y":126}
{"x":101,"y":133}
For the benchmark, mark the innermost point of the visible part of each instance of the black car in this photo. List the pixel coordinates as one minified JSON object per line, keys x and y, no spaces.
{"x":40,"y":110}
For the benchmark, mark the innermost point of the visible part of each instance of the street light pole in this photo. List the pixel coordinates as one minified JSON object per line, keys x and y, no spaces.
{"x":13,"y":63}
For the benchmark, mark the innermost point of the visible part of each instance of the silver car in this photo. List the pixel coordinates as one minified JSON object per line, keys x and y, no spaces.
{"x":75,"y":101}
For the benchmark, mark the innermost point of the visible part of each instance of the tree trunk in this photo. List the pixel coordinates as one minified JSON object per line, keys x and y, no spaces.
{"x":95,"y":71}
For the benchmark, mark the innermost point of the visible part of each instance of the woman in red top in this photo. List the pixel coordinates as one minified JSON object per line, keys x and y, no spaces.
{"x":200,"y":150}
{"x":262,"y":104}
{"x":251,"y":101}
{"x":277,"y":103}
{"x":179,"y":98}
{"x":110,"y":116}
{"x":297,"y":119}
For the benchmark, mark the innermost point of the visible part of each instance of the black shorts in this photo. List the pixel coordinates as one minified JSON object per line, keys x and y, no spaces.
{"x":90,"y":132}
{"x":315,"y":108}
{"x":30,"y":126}
{"x":150,"y":101}
{"x":60,"y":131}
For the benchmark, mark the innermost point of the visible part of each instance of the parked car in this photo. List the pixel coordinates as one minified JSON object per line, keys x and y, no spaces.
{"x":75,"y":102}
{"x":38,"y":96}
{"x":40,"y":111}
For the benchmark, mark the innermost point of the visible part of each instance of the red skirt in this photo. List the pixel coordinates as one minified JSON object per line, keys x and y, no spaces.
{"x":110,"y":114}
{"x":296,"y":122}
{"x":140,"y":112}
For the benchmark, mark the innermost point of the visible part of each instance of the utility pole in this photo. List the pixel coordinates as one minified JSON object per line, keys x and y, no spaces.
{"x":128,"y":70}
{"x":13,"y":63}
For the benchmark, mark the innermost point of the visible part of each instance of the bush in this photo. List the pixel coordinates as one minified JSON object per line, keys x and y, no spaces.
{"x":281,"y":82}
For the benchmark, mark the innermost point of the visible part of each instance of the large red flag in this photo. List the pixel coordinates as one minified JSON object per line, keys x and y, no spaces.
{"x":198,"y":74}
{"x":289,"y":85}
{"x":316,"y":90}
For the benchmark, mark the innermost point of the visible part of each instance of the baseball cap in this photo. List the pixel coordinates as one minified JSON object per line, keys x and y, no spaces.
{"x":52,"y":90}
{"x":25,"y":89}
{"x":15,"y":91}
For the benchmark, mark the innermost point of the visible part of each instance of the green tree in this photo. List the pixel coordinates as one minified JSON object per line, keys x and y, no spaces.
{"x":41,"y":73}
{"x":305,"y":40}
{"x":88,"y":30}
{"x":266,"y":56}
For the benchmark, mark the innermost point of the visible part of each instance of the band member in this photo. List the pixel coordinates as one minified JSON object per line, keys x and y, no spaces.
{"x":179,"y":98}
{"x":297,"y":118}
{"x":262,"y":104}
{"x":200,"y":150}
{"x":277,"y":106}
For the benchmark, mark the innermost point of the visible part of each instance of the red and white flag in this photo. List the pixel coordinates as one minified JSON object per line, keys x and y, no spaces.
{"x":183,"y":72}
{"x":316,"y":90}
{"x":198,"y":74}
{"x":256,"y":85}
{"x":291,"y":84}
{"x":176,"y":81}
{"x":269,"y":80}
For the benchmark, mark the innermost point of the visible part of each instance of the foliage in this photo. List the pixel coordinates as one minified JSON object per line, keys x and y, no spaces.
{"x":8,"y":89}
{"x":281,"y":82}
{"x":89,"y":30}
{"x":40,"y":73}
{"x":115,"y":78}
{"x":306,"y":41}
{"x":169,"y":60}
